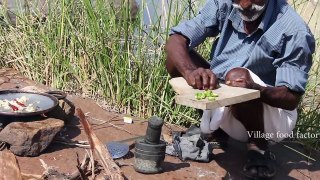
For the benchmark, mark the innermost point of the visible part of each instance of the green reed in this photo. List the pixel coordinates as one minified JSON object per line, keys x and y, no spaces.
{"x":98,"y":50}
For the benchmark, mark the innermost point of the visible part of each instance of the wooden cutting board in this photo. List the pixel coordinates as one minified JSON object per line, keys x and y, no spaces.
{"x":227,"y":95}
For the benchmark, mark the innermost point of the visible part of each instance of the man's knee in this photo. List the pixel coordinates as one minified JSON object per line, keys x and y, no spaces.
{"x":238,"y":73}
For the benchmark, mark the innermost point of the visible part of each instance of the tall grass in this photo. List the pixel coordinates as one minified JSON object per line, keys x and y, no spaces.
{"x":95,"y":49}
{"x":309,"y":109}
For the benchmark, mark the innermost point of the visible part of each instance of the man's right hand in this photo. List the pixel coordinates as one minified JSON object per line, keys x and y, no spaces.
{"x":201,"y":78}
{"x":189,"y":64}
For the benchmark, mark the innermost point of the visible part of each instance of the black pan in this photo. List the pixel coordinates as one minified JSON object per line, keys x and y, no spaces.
{"x":44,"y":101}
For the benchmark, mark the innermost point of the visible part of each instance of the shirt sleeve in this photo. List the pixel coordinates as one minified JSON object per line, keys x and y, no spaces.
{"x":295,"y":61}
{"x":204,"y":25}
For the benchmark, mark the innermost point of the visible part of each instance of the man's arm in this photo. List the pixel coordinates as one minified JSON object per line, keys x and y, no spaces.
{"x":293,"y":65}
{"x":280,"y":97}
{"x":178,"y":57}
{"x":188,"y":35}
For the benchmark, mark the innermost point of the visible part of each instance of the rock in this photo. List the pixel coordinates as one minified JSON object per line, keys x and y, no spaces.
{"x":30,"y":138}
{"x":65,"y":111}
{"x":33,"y":89}
{"x":4,"y":80}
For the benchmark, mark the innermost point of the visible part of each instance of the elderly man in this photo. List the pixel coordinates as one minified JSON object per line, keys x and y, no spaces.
{"x":262,"y":45}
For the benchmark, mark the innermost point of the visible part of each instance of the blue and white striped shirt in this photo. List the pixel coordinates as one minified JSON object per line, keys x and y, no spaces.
{"x":279,"y":52}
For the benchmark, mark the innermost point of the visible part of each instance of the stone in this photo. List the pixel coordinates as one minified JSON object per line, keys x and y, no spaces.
{"x":33,"y":89}
{"x":30,"y":138}
{"x":65,"y":111}
{"x":4,"y":80}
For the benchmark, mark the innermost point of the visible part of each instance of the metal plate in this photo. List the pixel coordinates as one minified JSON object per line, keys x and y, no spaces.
{"x":117,"y":149}
{"x":45,"y":103}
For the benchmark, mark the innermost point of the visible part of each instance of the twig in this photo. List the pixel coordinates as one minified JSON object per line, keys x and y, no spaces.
{"x":92,"y":164}
{"x":3,"y":145}
{"x":71,"y":141}
{"x":112,"y":170}
{"x":295,"y":151}
{"x":76,"y":143}
{"x":120,"y":128}
{"x":109,"y":122}
{"x":124,"y":164}
{"x":86,"y":168}
{"x":44,"y":165}
{"x":102,"y":121}
{"x":81,"y":168}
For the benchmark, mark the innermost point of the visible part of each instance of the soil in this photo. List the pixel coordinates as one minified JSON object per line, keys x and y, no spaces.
{"x":225,"y":164}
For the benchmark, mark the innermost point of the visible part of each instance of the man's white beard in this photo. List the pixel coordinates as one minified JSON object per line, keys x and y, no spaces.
{"x":258,"y":10}
{"x":252,"y":18}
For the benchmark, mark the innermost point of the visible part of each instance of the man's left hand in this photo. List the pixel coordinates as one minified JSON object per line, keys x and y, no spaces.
{"x":241,"y":82}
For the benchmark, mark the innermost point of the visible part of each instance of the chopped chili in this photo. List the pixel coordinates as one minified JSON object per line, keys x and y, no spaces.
{"x":20,"y":103}
{"x":14,"y":108}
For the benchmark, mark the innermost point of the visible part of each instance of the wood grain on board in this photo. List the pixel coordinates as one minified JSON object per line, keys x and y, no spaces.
{"x":227,"y":95}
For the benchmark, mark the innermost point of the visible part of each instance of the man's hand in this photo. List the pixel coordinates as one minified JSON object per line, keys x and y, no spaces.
{"x":189,"y":64}
{"x":241,"y":82}
{"x":280,"y":97}
{"x":201,"y":78}
{"x":240,"y":77}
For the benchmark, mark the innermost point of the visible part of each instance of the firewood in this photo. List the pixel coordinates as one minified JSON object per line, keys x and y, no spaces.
{"x":112,"y":170}
{"x":9,"y":168}
{"x":81,"y":168}
{"x":26,"y":176}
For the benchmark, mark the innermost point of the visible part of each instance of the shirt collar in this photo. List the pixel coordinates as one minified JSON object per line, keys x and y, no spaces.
{"x":237,"y":22}
{"x":267,"y":16}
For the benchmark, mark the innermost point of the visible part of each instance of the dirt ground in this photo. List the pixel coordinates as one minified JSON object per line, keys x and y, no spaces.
{"x":226,"y":164}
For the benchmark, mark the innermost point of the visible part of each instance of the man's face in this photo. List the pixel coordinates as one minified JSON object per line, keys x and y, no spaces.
{"x":250,"y":10}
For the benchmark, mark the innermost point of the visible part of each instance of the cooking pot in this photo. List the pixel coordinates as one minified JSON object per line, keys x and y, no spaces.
{"x":45,"y":102}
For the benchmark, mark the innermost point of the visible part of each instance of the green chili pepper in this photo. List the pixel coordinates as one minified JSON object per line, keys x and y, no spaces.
{"x":211,"y":96}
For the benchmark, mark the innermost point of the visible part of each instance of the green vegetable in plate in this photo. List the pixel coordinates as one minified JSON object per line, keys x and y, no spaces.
{"x":211,"y":96}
